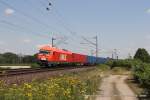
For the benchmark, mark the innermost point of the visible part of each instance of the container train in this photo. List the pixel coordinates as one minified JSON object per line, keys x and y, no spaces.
{"x":52,"y":56}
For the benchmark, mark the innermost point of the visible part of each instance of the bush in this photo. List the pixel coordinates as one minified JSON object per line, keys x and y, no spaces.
{"x":35,"y":65}
{"x":109,"y":62}
{"x":127,"y":63}
{"x":103,"y":67}
{"x":141,"y":73}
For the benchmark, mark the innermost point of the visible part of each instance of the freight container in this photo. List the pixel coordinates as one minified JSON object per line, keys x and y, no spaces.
{"x":78,"y":58}
{"x":101,"y":60}
{"x":91,"y":60}
{"x":94,"y":60}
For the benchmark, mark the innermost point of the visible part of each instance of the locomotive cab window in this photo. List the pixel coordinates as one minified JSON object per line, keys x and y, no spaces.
{"x":45,"y":52}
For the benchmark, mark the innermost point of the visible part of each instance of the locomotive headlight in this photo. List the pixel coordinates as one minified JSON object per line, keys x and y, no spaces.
{"x":43,"y":58}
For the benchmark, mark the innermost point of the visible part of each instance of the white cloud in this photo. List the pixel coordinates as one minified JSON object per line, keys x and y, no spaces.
{"x":148,"y":11}
{"x":147,"y":36}
{"x":41,"y":45}
{"x":9,"y":11}
{"x":2,"y":42}
{"x":27,"y":41}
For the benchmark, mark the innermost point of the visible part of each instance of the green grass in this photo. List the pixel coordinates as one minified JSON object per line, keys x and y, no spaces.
{"x":103,"y":67}
{"x":72,"y":86}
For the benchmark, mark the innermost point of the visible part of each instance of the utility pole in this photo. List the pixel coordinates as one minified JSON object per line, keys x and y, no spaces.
{"x":53,"y":41}
{"x":112,"y":55}
{"x":116,"y":54}
{"x":129,"y":56}
{"x":93,"y":43}
{"x":96,"y":46}
{"x":92,"y":52}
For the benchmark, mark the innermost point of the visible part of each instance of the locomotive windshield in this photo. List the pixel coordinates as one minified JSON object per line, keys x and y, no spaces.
{"x":44,"y":52}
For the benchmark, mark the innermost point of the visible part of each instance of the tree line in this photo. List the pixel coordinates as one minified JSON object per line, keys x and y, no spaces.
{"x":12,"y":58}
{"x":143,"y":55}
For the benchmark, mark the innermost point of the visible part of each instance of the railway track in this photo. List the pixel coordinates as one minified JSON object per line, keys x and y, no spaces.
{"x":19,"y":76}
{"x":11,"y":72}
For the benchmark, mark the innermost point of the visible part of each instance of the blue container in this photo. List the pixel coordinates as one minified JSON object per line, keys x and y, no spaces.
{"x":101,"y":60}
{"x":94,"y":60}
{"x":91,"y":59}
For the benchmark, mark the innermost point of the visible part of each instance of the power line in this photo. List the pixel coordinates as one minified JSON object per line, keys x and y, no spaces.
{"x":20,"y":27}
{"x":42,"y":13}
{"x":42,"y":3}
{"x":60,"y":20}
{"x":62,"y":41}
{"x":94,"y":44}
{"x":26,"y":15}
{"x":59,"y":42}
{"x":88,"y":40}
{"x":36,"y":20}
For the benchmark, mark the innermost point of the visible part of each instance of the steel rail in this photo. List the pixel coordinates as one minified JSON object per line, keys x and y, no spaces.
{"x":12,"y":72}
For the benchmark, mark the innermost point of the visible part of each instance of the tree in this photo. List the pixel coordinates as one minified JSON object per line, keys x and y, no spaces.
{"x":10,"y":58}
{"x":1,"y":59}
{"x":142,"y":54}
{"x":29,"y":59}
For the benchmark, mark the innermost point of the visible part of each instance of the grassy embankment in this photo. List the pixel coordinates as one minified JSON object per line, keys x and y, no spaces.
{"x":73,"y":86}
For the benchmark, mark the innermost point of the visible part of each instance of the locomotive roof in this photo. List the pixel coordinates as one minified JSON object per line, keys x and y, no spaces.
{"x":55,"y":49}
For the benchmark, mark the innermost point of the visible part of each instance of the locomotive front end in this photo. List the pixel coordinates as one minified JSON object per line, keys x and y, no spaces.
{"x":44,"y":57}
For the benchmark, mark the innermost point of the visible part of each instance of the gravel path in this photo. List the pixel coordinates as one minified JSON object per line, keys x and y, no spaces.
{"x":114,"y":87}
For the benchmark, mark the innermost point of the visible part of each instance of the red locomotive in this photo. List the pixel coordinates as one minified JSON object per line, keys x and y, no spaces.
{"x":50,"y":56}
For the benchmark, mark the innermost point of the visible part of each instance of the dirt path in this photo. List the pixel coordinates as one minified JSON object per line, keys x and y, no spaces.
{"x":114,"y":87}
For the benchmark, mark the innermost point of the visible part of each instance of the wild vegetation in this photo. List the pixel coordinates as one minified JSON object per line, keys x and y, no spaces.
{"x":73,"y":86}
{"x":140,"y":67}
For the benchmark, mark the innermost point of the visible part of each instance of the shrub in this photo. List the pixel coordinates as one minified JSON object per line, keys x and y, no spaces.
{"x":103,"y":67}
{"x":35,"y":65}
{"x":141,"y":73}
{"x":127,"y":63}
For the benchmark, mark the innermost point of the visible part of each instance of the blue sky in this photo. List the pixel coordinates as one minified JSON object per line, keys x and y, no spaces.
{"x":119,"y":24}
